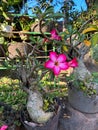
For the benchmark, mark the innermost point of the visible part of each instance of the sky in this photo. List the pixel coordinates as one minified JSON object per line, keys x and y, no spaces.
{"x":79,"y":5}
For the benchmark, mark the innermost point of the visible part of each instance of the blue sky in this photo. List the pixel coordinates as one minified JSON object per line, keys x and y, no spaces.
{"x":79,"y":5}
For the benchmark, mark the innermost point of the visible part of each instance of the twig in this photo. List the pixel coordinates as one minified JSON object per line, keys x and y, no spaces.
{"x":85,"y":23}
{"x":40,"y":28}
{"x":3,"y":51}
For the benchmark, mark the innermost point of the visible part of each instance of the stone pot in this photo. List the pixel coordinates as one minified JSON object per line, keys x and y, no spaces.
{"x":52,"y":124}
{"x":81,"y":101}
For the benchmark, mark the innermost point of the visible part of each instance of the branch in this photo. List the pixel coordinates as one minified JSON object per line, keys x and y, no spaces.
{"x":85,"y":23}
{"x":40,"y":28}
{"x":2,"y":50}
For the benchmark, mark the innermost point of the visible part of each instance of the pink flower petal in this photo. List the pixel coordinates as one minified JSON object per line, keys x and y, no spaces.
{"x":4,"y":127}
{"x":61,"y":58}
{"x":56,"y":70}
{"x":58,"y":62}
{"x":54,"y":35}
{"x":64,"y":66}
{"x":53,"y":56}
{"x":53,"y":32}
{"x":49,"y":64}
{"x":73,"y":63}
{"x":58,"y":38}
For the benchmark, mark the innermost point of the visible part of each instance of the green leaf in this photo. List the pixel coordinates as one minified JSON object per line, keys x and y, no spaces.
{"x":94,"y":39}
{"x":36,"y":33}
{"x":5,"y":68}
{"x":49,"y":10}
{"x":70,"y":29}
{"x":58,"y":15}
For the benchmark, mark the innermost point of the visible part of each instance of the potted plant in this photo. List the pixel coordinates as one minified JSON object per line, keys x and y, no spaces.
{"x":68,"y":50}
{"x":82,"y":88}
{"x":31,"y":71}
{"x":30,"y":75}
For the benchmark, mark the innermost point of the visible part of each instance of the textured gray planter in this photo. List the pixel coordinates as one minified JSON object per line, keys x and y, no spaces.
{"x":52,"y":124}
{"x":82,"y":102}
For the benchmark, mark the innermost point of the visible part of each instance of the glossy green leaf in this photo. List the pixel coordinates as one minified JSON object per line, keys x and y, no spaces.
{"x":94,"y":39}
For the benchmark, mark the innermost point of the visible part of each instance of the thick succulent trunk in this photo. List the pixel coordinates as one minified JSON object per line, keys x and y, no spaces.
{"x":83,"y":74}
{"x":35,"y":100}
{"x":35,"y":110}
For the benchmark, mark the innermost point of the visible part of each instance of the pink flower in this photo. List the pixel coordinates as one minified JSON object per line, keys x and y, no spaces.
{"x":55,"y":36}
{"x":56,"y":63}
{"x":4,"y":127}
{"x":73,"y":63}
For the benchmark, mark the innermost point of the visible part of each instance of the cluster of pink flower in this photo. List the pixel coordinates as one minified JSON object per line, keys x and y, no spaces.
{"x":58,"y":62}
{"x":4,"y":127}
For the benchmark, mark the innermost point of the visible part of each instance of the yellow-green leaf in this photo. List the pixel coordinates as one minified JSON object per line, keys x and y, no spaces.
{"x":90,"y":29}
{"x":64,"y":48}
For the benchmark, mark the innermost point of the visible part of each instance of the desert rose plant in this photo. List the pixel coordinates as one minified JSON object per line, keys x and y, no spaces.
{"x":31,"y":70}
{"x":63,"y":50}
{"x":30,"y":75}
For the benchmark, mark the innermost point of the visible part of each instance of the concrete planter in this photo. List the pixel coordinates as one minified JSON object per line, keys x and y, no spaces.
{"x":52,"y":124}
{"x":82,"y":102}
